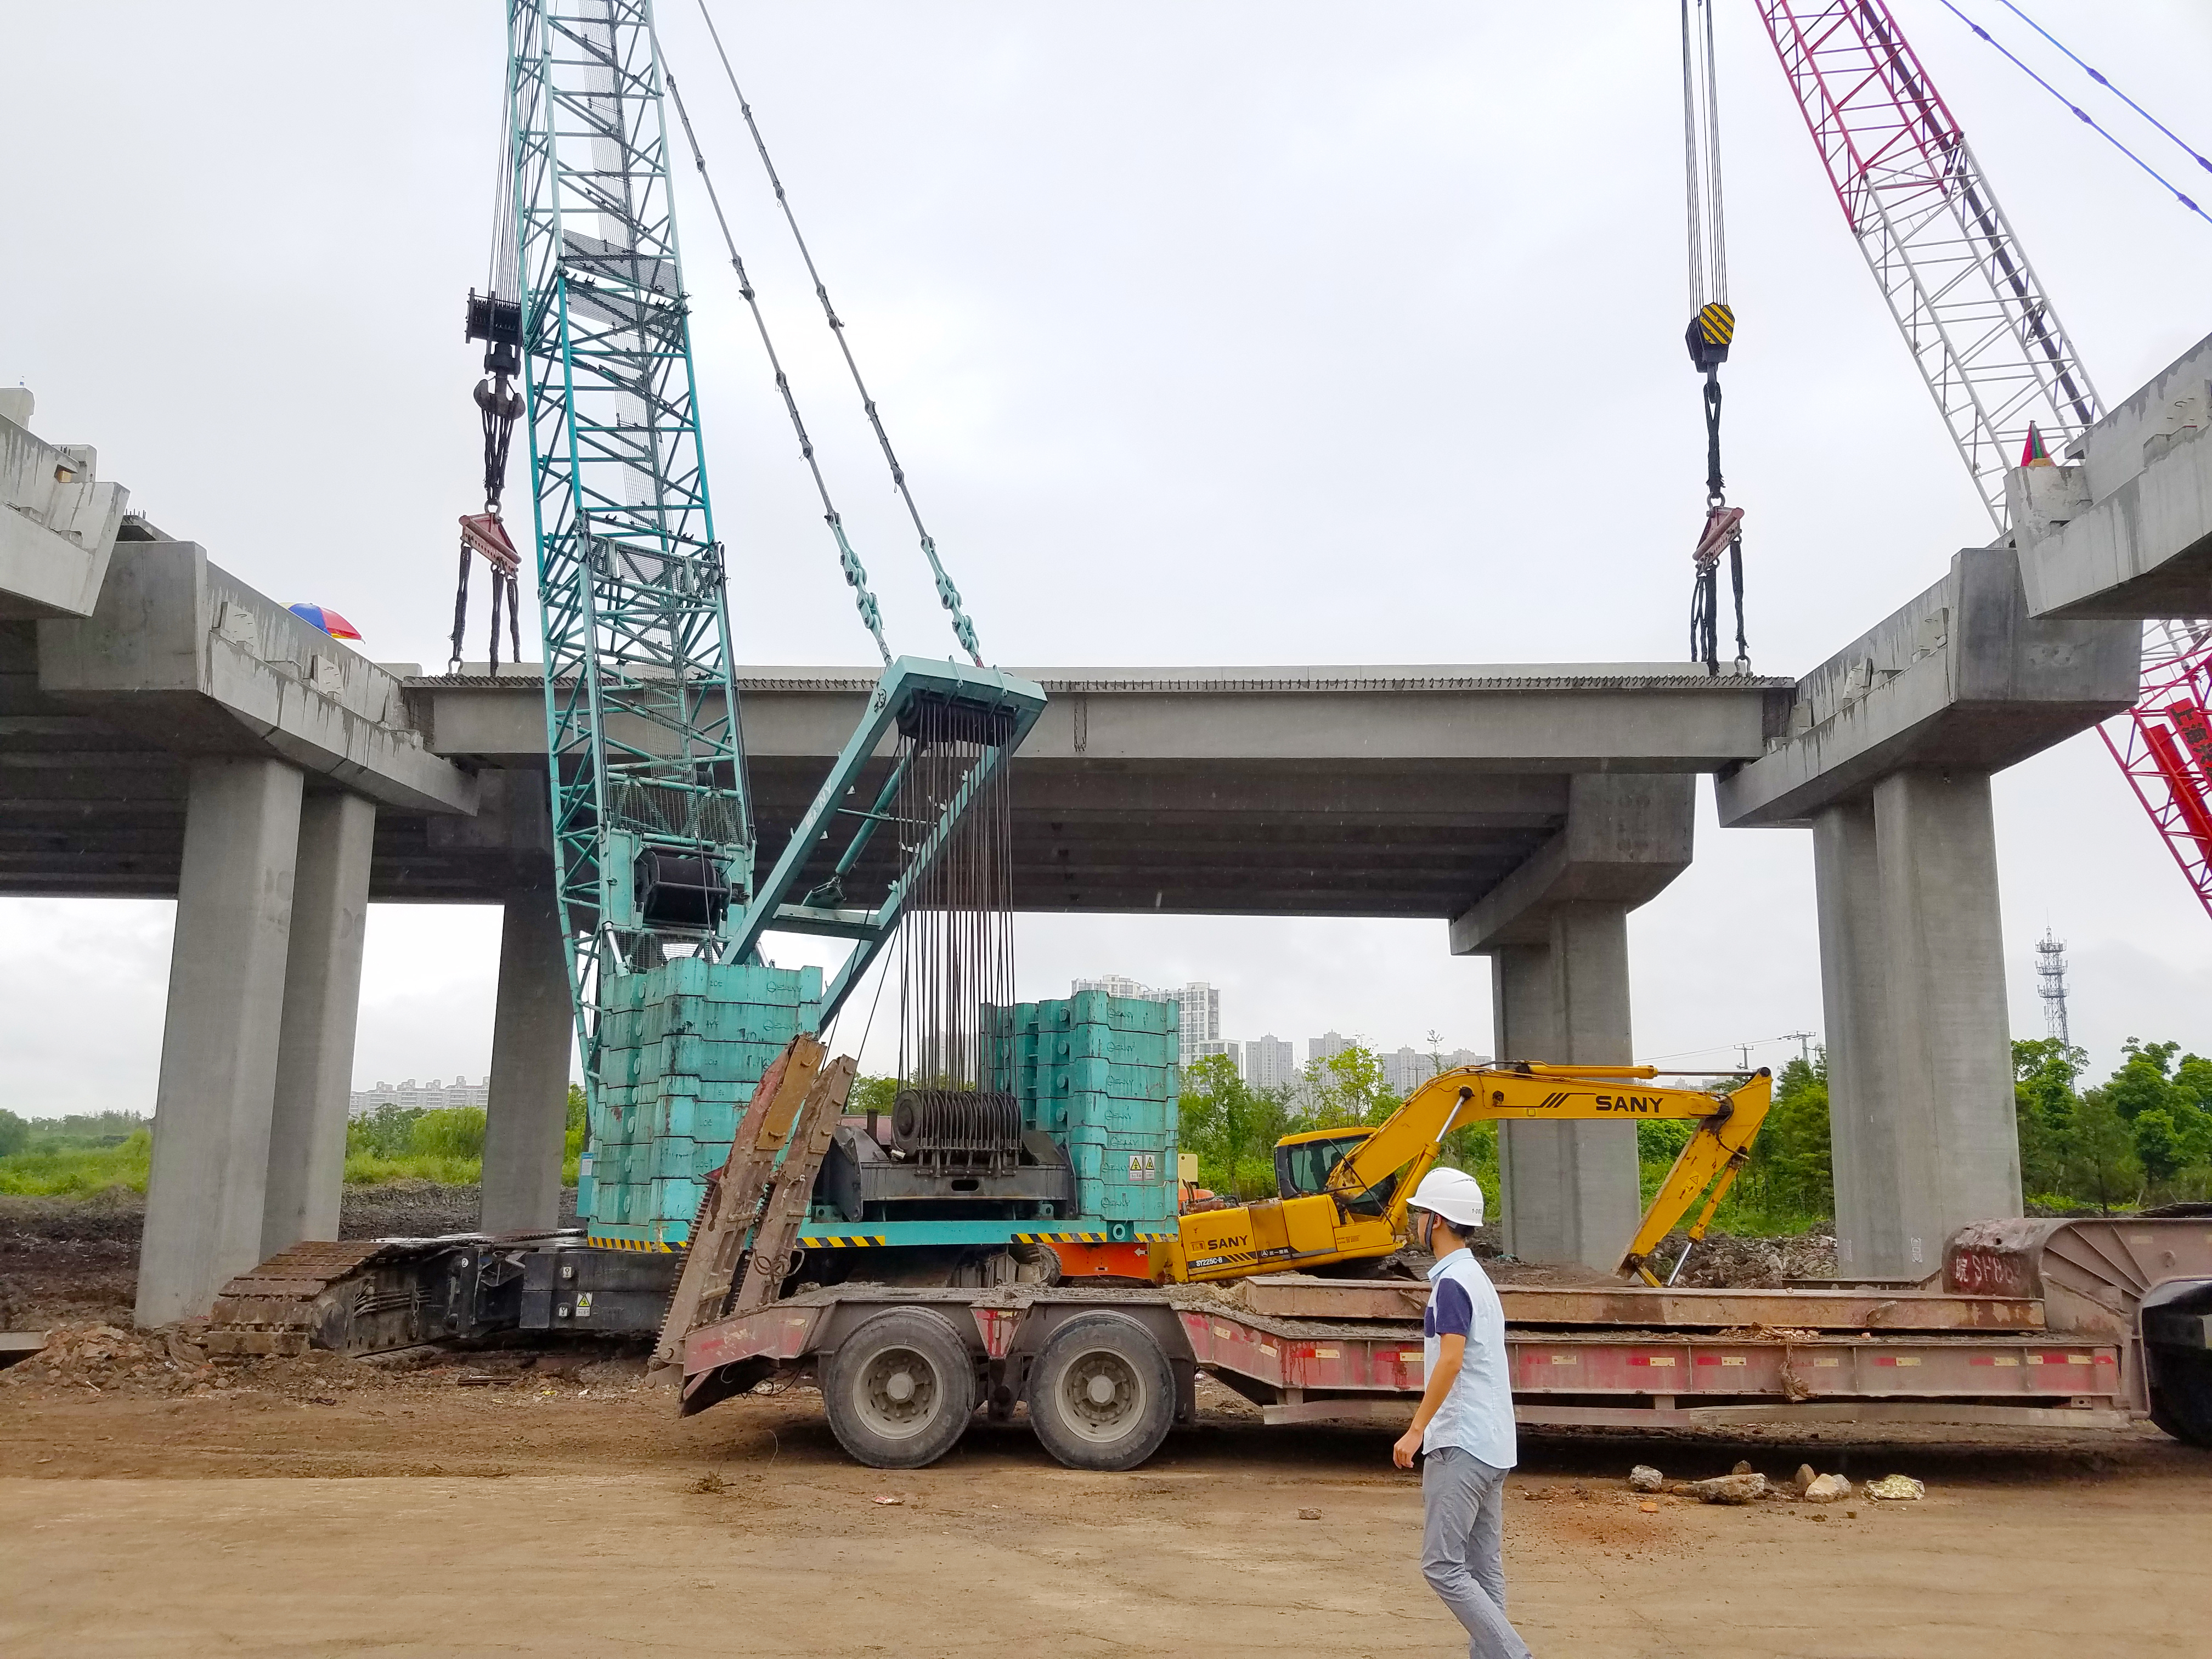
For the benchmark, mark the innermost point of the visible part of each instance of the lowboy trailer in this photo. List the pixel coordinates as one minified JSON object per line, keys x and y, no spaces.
{"x":2068,"y":1324}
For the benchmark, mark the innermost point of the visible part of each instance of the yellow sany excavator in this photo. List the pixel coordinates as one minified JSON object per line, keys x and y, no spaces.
{"x":1344,"y":1191}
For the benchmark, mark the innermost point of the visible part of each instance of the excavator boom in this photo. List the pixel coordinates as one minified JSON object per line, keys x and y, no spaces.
{"x":1343,"y":1193}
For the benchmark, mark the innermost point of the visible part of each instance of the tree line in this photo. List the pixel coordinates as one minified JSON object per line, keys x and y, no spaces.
{"x":2141,"y":1138}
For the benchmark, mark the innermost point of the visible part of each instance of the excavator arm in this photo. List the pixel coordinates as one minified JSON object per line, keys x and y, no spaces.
{"x":1343,"y":1192}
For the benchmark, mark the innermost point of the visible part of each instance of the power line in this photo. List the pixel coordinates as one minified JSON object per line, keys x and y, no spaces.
{"x":948,"y":595}
{"x":1741,"y":1046}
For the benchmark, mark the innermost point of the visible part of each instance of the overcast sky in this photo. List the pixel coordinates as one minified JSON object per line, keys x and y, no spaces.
{"x":1210,"y":332}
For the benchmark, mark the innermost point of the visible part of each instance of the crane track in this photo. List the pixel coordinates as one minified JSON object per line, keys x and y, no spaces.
{"x":352,"y":1296}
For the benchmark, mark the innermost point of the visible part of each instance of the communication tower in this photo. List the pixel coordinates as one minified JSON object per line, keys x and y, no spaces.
{"x":2051,"y":986}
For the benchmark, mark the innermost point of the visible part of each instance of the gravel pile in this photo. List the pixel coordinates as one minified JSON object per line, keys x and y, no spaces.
{"x":90,"y":1361}
{"x":1721,"y":1262}
{"x":95,"y":1359}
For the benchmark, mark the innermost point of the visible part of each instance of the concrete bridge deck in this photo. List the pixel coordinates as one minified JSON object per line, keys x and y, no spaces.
{"x":1354,"y":791}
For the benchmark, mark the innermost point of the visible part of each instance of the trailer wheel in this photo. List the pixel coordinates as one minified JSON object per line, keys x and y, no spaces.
{"x":1102,"y":1396}
{"x":899,"y":1390}
{"x":2181,"y":1399}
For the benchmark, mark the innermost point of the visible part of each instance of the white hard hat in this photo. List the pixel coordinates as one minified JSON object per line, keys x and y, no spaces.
{"x":1452,"y":1194}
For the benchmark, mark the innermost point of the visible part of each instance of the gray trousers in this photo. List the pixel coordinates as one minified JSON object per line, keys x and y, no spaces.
{"x":1462,"y":1548}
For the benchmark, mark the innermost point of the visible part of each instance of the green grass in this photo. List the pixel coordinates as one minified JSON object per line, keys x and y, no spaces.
{"x":433,"y":1152}
{"x":78,"y":1171}
{"x":376,"y":1170}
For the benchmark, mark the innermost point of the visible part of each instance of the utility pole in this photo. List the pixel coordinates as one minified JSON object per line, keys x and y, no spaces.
{"x":2051,"y":986}
{"x":1804,"y":1041}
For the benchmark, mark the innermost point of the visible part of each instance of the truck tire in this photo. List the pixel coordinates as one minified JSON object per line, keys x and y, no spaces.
{"x":900,"y":1389}
{"x":2181,"y":1397}
{"x":1101,"y":1395}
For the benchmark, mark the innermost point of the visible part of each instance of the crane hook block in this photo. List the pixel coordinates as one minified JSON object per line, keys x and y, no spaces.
{"x":498,"y":324}
{"x":1708,"y":337}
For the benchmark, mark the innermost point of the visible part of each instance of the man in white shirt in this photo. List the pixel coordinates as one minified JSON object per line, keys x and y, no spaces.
{"x":1464,"y":1422}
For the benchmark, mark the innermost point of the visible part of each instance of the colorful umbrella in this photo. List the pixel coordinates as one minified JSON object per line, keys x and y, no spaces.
{"x":322,"y":616}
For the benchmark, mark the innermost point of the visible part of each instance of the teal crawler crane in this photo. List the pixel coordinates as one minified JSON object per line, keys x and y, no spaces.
{"x":662,"y":909}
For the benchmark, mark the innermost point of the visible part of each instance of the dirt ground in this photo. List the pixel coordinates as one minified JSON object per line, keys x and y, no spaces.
{"x":155,"y":1501}
{"x":518,"y":1505}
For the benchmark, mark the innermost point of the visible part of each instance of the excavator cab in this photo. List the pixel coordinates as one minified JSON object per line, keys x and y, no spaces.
{"x":1303,"y":1163}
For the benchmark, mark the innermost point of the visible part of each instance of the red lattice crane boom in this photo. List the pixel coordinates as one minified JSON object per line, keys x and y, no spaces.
{"x":1988,"y":342}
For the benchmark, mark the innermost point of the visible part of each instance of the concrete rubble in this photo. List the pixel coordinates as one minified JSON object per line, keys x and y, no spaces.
{"x":1726,"y":1489}
{"x":1744,"y":1485}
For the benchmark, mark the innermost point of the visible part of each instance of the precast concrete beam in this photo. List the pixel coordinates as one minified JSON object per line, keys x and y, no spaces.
{"x":322,"y":1013}
{"x":204,"y":1197}
{"x":58,"y":521}
{"x":1628,"y":717}
{"x":2128,"y":531}
{"x":1963,"y":676}
{"x":526,"y":1120}
{"x":195,"y":662}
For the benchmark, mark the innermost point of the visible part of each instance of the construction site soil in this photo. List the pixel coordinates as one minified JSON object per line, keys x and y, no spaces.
{"x":550,"y":1501}
{"x":531,"y":1503}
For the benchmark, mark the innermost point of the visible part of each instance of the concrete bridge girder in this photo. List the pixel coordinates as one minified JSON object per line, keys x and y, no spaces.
{"x":2127,"y":533}
{"x":58,"y":520}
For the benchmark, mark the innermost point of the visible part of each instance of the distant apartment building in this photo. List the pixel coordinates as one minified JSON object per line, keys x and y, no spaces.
{"x":1200,"y":1050}
{"x":1120,"y":985}
{"x":432,"y":1095}
{"x":1198,"y":1006}
{"x":1405,"y":1070}
{"x":1270,"y":1062}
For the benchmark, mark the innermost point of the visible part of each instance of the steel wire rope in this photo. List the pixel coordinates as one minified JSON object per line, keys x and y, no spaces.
{"x":947,"y":594}
{"x":1708,"y":273}
{"x":856,"y":574}
{"x":1718,"y":240}
{"x":2184,"y":144}
{"x":2087,"y":120}
{"x":1696,"y":208}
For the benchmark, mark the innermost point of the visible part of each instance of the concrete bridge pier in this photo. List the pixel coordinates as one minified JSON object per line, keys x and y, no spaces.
{"x":532,"y":1031}
{"x":321,"y":1017}
{"x":1556,"y":932}
{"x":1913,"y":989}
{"x":206,"y":1197}
{"x":1569,"y":1190}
